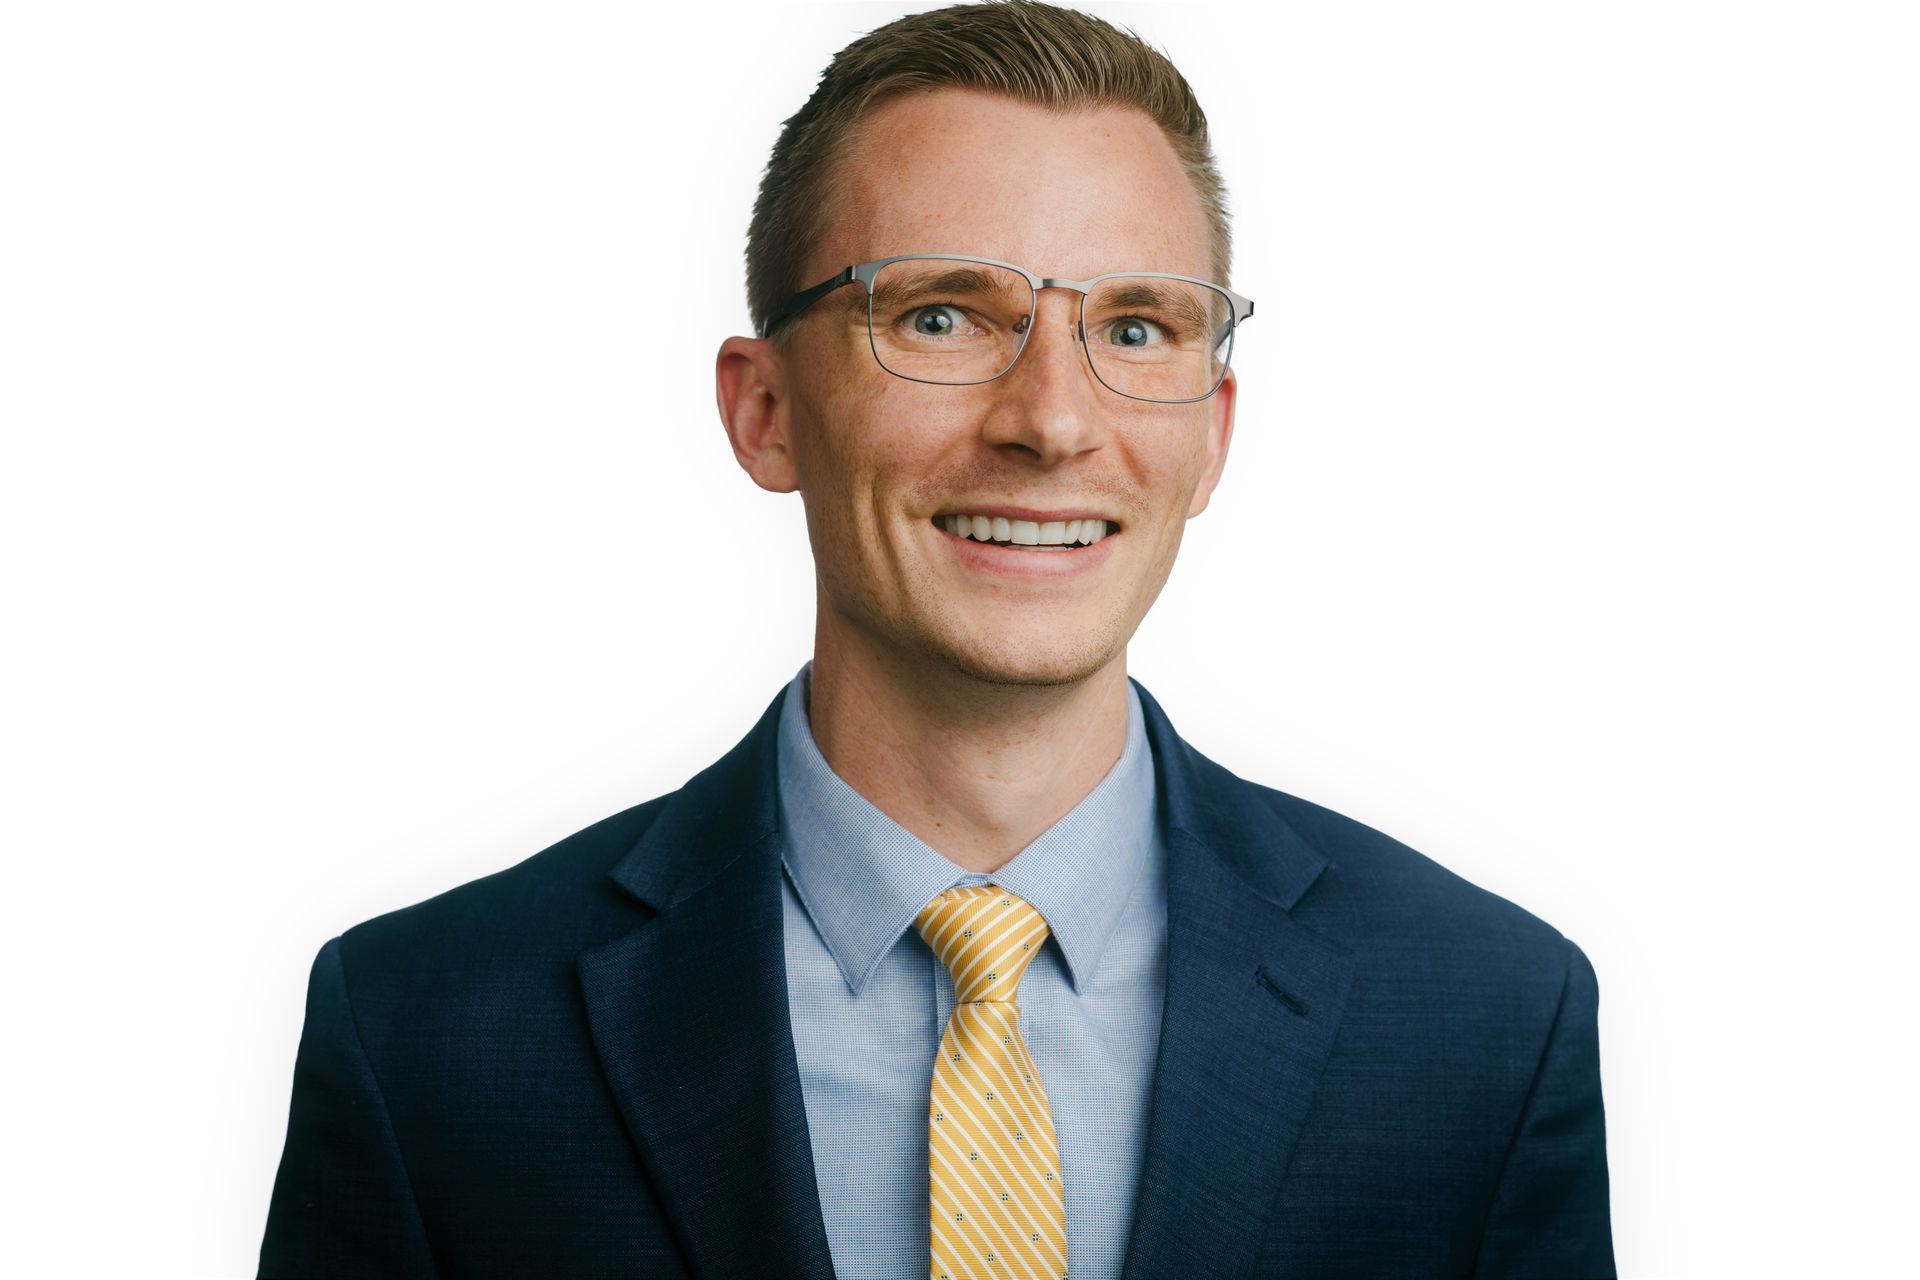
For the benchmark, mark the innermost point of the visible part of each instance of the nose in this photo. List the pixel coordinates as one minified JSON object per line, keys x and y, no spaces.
{"x":1049,"y":401}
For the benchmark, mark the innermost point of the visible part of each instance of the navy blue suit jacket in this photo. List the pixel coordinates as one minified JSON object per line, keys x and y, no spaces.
{"x":583,"y":1065}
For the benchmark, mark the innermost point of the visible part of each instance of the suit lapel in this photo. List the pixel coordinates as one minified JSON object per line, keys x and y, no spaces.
{"x":689,"y":1017}
{"x":1252,"y":1003}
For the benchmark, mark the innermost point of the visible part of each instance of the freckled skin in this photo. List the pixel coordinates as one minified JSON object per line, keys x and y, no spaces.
{"x":909,"y":636}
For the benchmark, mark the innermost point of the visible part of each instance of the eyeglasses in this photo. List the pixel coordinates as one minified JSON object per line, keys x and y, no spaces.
{"x":957,"y":321}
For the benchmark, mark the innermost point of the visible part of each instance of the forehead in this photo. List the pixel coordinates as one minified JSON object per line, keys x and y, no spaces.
{"x":1072,"y":193}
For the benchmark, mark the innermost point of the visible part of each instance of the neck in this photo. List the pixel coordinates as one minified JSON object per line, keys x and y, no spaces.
{"x":976,"y":768}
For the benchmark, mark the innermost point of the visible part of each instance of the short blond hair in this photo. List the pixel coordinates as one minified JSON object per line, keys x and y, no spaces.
{"x":1026,"y":50}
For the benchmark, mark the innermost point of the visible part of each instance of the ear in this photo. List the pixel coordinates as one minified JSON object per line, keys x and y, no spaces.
{"x":1219,"y":435}
{"x":750,"y":381}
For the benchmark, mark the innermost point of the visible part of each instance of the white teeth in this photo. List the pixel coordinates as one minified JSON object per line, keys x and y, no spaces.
{"x":1025,"y":533}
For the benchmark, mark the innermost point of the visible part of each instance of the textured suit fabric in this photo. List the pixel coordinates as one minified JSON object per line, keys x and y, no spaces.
{"x":869,"y":999}
{"x":584,"y":1064}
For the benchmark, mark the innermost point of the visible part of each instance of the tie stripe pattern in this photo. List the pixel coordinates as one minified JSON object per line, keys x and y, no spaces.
{"x":998,"y":1208}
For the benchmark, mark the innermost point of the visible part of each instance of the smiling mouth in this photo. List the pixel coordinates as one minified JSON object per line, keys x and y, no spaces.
{"x":1053,"y":536}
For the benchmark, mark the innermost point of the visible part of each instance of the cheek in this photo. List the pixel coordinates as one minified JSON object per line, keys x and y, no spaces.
{"x":1166,"y":454}
{"x":1171,"y":472}
{"x":858,"y":452}
{"x":824,"y":433}
{"x":1187,"y":458}
{"x":895,"y":439}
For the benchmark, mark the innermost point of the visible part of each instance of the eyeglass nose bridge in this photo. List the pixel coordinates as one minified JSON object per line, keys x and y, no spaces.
{"x":1079,"y":328}
{"x":1081,"y":287}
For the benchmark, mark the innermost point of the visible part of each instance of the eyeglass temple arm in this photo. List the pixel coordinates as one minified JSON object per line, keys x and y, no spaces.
{"x":806,"y":298}
{"x":1227,"y":328}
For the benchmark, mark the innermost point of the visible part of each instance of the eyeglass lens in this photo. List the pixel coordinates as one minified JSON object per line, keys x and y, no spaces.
{"x":946,"y":321}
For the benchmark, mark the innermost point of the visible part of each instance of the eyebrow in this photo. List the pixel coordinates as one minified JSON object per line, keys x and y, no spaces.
{"x":1145,"y":294}
{"x":957,"y":280}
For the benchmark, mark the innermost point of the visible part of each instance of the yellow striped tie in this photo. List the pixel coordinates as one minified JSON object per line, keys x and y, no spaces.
{"x":993,"y":1164}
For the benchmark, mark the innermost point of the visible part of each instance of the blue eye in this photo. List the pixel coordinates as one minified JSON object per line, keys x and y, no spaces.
{"x":934,"y":322}
{"x":1132,"y":332}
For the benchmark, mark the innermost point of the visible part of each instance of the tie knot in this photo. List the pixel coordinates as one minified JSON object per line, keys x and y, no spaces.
{"x":986,"y":936}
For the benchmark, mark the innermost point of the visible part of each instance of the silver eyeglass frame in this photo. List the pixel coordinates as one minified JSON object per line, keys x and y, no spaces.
{"x":866,"y":272}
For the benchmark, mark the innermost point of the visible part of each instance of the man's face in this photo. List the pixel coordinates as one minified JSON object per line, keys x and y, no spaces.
{"x":878,"y":457}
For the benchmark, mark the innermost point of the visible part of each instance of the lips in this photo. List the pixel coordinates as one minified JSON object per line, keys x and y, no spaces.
{"x":1001,"y":530}
{"x":1037,"y":516}
{"x":1025,"y":560}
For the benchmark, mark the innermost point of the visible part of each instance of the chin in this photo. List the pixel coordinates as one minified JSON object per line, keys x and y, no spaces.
{"x":1015,"y":664}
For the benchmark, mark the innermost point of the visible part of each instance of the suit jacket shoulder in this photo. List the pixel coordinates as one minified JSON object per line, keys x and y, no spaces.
{"x":549,"y":905}
{"x":1386,"y":887}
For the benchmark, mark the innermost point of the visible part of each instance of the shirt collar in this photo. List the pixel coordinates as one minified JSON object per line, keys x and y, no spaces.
{"x":863,"y":878}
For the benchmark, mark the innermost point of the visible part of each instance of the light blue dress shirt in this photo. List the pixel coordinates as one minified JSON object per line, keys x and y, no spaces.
{"x":869,"y":999}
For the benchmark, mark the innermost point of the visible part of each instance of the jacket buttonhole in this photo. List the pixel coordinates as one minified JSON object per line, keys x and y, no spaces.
{"x":1284,"y":997}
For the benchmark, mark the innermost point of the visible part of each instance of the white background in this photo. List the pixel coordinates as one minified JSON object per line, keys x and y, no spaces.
{"x":369,"y":527}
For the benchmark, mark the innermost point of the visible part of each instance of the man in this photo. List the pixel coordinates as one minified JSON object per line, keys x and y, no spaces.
{"x":962,"y":963}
